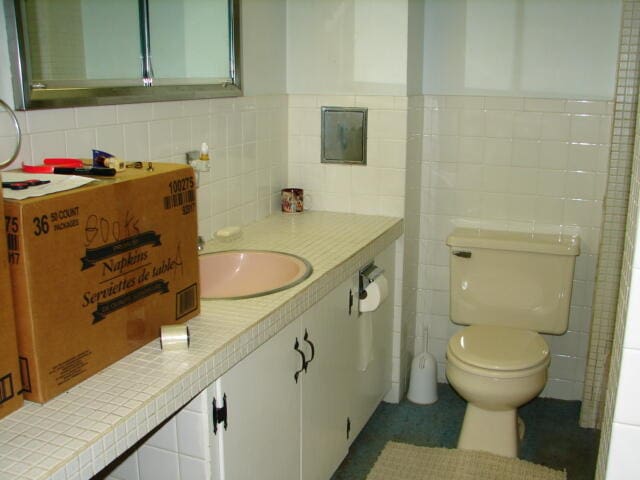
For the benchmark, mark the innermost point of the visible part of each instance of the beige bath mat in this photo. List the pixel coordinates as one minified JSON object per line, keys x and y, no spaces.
{"x":400,"y":461}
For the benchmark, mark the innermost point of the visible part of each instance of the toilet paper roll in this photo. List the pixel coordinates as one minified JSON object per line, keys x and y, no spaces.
{"x":174,"y":338}
{"x":377,"y":292}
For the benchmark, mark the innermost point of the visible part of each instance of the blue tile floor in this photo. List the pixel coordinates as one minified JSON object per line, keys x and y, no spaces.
{"x":552,"y":437}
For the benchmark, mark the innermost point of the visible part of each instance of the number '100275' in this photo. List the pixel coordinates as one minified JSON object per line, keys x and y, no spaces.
{"x":181,"y":184}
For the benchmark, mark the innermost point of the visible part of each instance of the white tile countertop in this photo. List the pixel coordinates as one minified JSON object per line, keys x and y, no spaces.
{"x":78,"y":433}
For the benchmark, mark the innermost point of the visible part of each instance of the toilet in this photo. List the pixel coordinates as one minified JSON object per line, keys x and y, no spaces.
{"x":508,"y":287}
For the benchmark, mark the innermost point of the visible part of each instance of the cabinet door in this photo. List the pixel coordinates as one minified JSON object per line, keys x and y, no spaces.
{"x":324,"y":406}
{"x":262,"y":439}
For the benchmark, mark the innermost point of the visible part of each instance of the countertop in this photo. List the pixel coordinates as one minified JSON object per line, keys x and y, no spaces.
{"x":78,"y":433}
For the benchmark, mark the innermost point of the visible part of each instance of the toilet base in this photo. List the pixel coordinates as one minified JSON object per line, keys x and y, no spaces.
{"x":490,"y":431}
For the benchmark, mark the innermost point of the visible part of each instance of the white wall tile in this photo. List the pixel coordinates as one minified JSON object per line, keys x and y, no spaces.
{"x":553,"y":155}
{"x":632,"y":326}
{"x":181,"y":141}
{"x":623,"y":451}
{"x":95,"y":116}
{"x":50,"y":120}
{"x":111,"y":139}
{"x":626,"y":408}
{"x":192,"y":434}
{"x":556,"y":126}
{"x":166,"y":110}
{"x":585,"y":128}
{"x":540,"y":171}
{"x":499,"y":124}
{"x":139,"y":112}
{"x":497,"y":151}
{"x":165,"y":438}
{"x":45,"y":145}
{"x":80,"y":142}
{"x":136,"y":142}
{"x":193,"y":468}
{"x":157,"y":464}
{"x":527,"y":125}
{"x":160,"y":144}
{"x":127,"y":470}
{"x":472,"y":123}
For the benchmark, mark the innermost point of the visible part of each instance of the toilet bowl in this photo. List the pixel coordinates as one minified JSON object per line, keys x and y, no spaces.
{"x":496,"y":370}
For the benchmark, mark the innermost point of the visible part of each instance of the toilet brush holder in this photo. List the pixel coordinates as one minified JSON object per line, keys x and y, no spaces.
{"x":423,"y":385}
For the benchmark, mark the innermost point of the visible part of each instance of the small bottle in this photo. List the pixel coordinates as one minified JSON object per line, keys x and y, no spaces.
{"x":204,"y":152}
{"x":203,"y":159}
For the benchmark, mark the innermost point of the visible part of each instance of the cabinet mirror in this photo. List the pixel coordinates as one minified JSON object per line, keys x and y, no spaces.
{"x":96,"y":52}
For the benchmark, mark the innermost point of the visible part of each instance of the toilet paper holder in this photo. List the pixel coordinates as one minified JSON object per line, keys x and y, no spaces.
{"x":368,"y":275}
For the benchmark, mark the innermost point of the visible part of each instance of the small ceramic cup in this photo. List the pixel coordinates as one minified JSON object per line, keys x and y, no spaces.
{"x":292,"y":200}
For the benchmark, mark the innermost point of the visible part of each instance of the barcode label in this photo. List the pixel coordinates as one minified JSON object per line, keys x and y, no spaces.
{"x":25,"y":375}
{"x":179,"y":199}
{"x":12,"y":241}
{"x":186,"y":300}
{"x":6,"y":388}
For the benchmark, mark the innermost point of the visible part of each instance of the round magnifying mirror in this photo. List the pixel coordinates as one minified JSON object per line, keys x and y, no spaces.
{"x":9,"y":135}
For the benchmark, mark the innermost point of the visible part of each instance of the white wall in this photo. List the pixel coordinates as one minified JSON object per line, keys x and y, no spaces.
{"x":415,"y":46}
{"x":6,"y":92}
{"x":537,"y":48}
{"x":347,"y":47}
{"x":264,"y":47}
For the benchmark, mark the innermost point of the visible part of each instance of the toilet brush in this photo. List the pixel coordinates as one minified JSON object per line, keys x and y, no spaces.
{"x":423,"y":388}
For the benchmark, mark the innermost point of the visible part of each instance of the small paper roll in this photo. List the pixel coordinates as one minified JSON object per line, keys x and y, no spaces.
{"x":174,"y":338}
{"x":377,"y":292}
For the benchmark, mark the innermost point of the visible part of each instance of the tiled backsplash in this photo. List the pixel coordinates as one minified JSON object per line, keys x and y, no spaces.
{"x":247,"y":139}
{"x":526,"y":164}
{"x":374,"y":189}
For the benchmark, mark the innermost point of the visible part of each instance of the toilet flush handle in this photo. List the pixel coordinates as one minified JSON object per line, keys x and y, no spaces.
{"x":463,"y":254}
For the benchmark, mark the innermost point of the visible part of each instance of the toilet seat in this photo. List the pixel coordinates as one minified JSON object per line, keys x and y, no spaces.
{"x":498,"y":351}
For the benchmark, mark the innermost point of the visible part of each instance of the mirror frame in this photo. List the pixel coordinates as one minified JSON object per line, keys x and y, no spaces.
{"x":28,"y":98}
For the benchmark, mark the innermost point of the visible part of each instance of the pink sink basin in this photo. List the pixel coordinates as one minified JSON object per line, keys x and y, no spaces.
{"x":249,"y":273}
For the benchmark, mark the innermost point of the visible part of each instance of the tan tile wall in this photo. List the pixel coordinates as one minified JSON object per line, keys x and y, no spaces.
{"x":616,"y":339}
{"x":614,"y":219}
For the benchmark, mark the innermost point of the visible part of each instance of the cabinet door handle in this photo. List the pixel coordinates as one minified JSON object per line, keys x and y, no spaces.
{"x":313,"y":348}
{"x":296,"y":347}
{"x":219,"y":415}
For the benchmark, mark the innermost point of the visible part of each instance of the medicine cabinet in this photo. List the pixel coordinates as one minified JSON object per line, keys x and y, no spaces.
{"x":96,"y":52}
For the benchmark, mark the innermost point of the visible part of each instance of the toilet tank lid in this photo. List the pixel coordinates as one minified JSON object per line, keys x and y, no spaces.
{"x":515,"y":241}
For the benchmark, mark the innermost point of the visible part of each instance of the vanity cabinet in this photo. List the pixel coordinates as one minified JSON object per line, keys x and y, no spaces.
{"x":283,"y":421}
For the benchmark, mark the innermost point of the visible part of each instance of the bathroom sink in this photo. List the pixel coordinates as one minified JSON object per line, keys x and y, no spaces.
{"x":249,"y":273}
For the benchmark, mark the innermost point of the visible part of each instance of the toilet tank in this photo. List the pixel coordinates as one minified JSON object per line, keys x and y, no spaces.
{"x":511,"y":279}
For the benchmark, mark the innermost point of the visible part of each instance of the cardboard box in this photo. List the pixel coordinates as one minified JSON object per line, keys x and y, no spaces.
{"x":97,"y":270}
{"x":10,"y":386}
